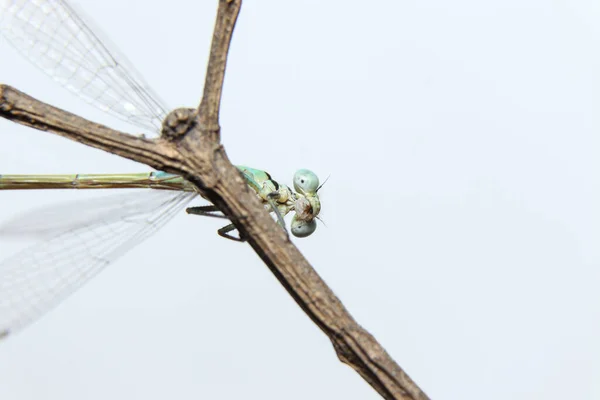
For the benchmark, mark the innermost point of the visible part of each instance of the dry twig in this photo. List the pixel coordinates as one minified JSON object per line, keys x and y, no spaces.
{"x":197,"y":155}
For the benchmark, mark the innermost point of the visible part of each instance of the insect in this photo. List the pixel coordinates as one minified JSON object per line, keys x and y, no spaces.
{"x":80,"y":241}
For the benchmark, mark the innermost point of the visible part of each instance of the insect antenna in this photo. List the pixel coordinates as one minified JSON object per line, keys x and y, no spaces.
{"x":324,"y":182}
{"x":322,"y":221}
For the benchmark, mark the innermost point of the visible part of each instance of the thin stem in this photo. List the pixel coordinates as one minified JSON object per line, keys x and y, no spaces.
{"x":215,"y":73}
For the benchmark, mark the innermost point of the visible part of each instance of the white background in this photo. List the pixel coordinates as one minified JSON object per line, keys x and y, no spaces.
{"x":462,"y":211}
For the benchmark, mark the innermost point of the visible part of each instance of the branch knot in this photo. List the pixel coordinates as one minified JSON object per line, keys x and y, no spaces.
{"x":177,"y":123}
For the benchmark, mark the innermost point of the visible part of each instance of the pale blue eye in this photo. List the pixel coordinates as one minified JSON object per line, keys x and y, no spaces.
{"x":305,"y":181}
{"x":303,"y":228}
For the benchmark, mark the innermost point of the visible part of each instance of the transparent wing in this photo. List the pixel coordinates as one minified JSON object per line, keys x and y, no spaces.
{"x":57,"y":40}
{"x":55,"y":219}
{"x":38,"y":278}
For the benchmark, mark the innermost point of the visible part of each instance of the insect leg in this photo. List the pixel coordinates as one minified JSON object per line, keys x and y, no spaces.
{"x":224,"y":232}
{"x":207,"y":211}
{"x":271,"y":197}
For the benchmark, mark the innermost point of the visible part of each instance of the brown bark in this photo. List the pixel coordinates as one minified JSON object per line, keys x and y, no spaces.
{"x":198,"y":156}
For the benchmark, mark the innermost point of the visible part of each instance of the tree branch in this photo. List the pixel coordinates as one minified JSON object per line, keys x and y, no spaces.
{"x":198,"y":156}
{"x":215,"y":72}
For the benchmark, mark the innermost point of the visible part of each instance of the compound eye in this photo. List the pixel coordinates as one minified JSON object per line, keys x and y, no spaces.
{"x":305,"y":181}
{"x":303,"y":228}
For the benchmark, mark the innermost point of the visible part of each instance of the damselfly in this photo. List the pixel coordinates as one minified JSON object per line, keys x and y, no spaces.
{"x":79,"y":244}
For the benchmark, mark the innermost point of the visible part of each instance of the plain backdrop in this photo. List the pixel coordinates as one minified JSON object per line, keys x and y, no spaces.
{"x":462,"y":213}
